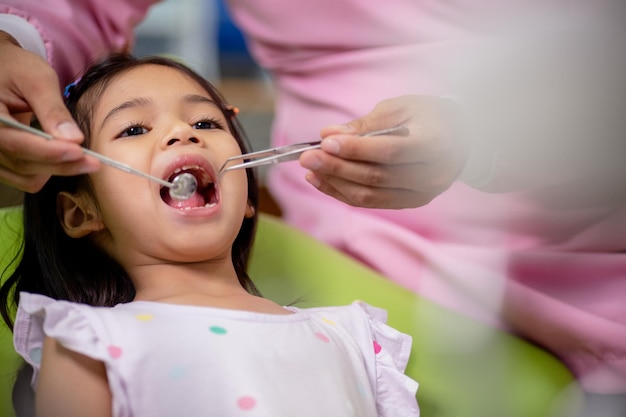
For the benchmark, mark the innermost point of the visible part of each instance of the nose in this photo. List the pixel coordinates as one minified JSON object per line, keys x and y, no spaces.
{"x":173,"y":141}
{"x":182,"y":134}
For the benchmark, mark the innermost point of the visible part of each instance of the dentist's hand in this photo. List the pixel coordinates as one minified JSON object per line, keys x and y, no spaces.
{"x":29,"y":85}
{"x":391,"y":172}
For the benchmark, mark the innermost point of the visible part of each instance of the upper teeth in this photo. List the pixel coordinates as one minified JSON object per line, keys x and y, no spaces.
{"x":201,"y":178}
{"x":185,"y":168}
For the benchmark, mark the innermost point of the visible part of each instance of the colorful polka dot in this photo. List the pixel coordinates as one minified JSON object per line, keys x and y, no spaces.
{"x":246,"y":403}
{"x":177,"y":372}
{"x":349,"y":407}
{"x":144,"y":317}
{"x":217,"y":330}
{"x":322,"y":337}
{"x":114,"y":351}
{"x":361,"y":390}
{"x":35,"y":355}
{"x":328,"y":321}
{"x":377,"y":347}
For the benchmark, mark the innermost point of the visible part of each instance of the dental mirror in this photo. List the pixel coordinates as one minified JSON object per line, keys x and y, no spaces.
{"x":183,"y":186}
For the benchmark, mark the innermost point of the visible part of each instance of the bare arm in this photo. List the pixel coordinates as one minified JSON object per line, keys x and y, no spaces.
{"x":71,"y":384}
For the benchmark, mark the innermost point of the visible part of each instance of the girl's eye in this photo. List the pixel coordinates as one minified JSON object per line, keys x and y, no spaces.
{"x":133,"y":131}
{"x":207,"y":124}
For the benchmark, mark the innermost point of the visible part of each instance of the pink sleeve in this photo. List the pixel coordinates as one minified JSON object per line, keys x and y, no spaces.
{"x":77,"y":32}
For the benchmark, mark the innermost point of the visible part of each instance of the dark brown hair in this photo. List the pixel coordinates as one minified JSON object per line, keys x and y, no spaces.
{"x":53,"y":264}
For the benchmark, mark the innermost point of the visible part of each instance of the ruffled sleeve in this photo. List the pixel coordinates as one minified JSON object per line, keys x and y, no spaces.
{"x":395,"y":391}
{"x":39,"y":316}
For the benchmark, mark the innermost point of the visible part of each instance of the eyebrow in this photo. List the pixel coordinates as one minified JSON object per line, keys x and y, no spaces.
{"x":136,"y":102}
{"x":142,"y":101}
{"x":197,"y":98}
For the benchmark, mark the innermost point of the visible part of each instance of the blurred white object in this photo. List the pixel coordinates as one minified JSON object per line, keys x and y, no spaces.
{"x":544,"y":106}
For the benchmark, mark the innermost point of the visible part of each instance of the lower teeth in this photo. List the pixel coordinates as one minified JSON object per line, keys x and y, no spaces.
{"x":193,"y":208}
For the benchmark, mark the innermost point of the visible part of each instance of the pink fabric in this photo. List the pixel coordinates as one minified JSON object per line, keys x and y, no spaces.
{"x":477,"y":253}
{"x":77,"y":32}
{"x":554,"y":273}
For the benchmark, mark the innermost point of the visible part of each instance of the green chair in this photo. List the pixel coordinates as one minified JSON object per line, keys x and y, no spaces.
{"x":464,"y":368}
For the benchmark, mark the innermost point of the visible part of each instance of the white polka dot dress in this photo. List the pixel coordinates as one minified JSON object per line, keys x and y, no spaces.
{"x":166,"y":360}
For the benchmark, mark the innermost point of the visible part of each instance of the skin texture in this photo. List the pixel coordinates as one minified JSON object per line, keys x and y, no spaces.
{"x":392,"y":172}
{"x":151,"y":117}
{"x":85,"y":391}
{"x":28,"y":85}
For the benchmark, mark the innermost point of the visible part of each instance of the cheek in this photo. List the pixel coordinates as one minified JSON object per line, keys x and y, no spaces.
{"x":118,"y":194}
{"x":236,"y":187}
{"x":109,"y":185}
{"x":130,"y":151}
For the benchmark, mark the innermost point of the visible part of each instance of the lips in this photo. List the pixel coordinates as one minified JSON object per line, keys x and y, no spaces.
{"x":206,"y":194}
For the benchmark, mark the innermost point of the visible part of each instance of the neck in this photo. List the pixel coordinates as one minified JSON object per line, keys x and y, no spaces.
{"x":198,"y":284}
{"x":167,"y":282}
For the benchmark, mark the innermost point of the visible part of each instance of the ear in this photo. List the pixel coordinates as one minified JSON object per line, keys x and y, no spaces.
{"x":78,"y":214}
{"x":249,"y":210}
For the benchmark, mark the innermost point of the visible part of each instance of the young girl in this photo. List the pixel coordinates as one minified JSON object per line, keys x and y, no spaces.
{"x":135,"y":304}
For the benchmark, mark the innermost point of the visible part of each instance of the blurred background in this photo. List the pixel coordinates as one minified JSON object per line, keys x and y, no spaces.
{"x":202,"y":34}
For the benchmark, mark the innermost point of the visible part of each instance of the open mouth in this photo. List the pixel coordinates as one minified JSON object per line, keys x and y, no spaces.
{"x":206,"y":193}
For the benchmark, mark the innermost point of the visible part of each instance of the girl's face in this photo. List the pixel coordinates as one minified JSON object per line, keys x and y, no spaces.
{"x":158,"y":120}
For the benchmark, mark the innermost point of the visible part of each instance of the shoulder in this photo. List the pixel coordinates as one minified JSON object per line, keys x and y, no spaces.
{"x":358,"y":313}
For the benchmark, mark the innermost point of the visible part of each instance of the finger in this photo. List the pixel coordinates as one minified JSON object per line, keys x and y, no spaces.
{"x":43,"y":94}
{"x":401,"y":175}
{"x":432,"y":122}
{"x":424,"y":142}
{"x":387,"y":113}
{"x":30,"y":183}
{"x":23,"y":118}
{"x":368,"y":197}
{"x":32,"y":177}
{"x":368,"y":123}
{"x":384,"y":149}
{"x":426,"y":180}
{"x":337,"y":130}
{"x":82,"y":166}
{"x":23,"y":167}
{"x":18,"y":145}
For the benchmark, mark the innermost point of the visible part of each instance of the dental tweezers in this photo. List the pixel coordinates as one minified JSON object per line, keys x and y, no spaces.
{"x":290,"y":152}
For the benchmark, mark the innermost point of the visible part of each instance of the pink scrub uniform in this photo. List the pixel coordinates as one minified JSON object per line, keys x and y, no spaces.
{"x":554,"y":274}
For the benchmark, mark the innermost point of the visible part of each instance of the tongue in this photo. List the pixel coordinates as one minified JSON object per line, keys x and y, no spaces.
{"x":196,"y":200}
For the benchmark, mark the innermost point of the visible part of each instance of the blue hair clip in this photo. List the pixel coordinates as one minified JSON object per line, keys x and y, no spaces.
{"x":70,"y":87}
